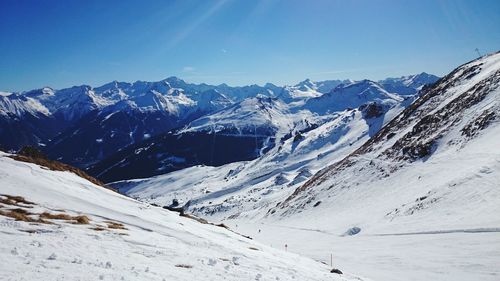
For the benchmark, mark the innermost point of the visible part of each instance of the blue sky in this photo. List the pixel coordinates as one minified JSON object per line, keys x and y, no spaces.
{"x":64,"y":43}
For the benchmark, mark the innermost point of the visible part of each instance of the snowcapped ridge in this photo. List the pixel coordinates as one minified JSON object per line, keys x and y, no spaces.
{"x":269,"y":120}
{"x":107,"y":95}
{"x":105,"y":119}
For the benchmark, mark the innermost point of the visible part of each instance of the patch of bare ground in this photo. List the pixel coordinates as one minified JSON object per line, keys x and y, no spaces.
{"x":15,"y":201}
{"x":20,"y":209}
{"x":98,"y":228}
{"x":115,"y":225}
{"x":22,"y":215}
{"x":63,"y":216}
{"x":184,"y":266}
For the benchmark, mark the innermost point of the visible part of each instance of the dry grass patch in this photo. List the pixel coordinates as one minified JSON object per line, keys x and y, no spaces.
{"x":98,"y":228}
{"x":14,"y":200}
{"x":50,"y":216}
{"x":82,"y":220}
{"x":22,"y":215}
{"x":8,"y":209}
{"x":18,"y":216}
{"x":184,"y":266}
{"x":63,"y":216}
{"x":115,"y":225}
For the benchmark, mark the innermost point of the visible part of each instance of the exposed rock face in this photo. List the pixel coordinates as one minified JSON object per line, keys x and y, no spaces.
{"x":372,"y":110}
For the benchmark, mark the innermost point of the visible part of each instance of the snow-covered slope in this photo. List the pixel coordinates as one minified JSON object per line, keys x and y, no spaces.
{"x":120,"y":238}
{"x":417,"y":198}
{"x":430,"y":176}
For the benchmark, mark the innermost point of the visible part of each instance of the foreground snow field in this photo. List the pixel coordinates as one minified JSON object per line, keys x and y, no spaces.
{"x":391,"y":257}
{"x":123,"y":239}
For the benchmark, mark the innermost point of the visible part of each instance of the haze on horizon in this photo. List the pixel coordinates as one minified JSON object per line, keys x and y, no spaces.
{"x":64,"y":43}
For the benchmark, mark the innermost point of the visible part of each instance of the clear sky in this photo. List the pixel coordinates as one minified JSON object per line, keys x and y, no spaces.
{"x":60,"y":43}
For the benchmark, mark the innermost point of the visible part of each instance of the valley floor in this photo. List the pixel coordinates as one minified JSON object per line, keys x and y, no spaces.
{"x":451,"y":255}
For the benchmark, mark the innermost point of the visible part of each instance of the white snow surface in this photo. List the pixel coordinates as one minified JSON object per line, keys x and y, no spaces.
{"x":156,"y":245}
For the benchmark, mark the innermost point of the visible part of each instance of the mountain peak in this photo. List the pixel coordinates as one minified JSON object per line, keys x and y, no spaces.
{"x":306,"y":83}
{"x":174,"y":79}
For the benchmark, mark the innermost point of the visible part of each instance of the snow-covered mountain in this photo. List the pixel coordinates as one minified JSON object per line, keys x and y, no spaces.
{"x":298,"y":94}
{"x":253,"y":127}
{"x":263,"y":116}
{"x":408,"y":85}
{"x":57,"y":226}
{"x":352,"y":95}
{"x":83,"y":125}
{"x":388,"y":180}
{"x":303,"y":90}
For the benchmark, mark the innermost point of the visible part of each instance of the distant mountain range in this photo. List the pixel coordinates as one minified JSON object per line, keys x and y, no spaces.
{"x":83,"y":125}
